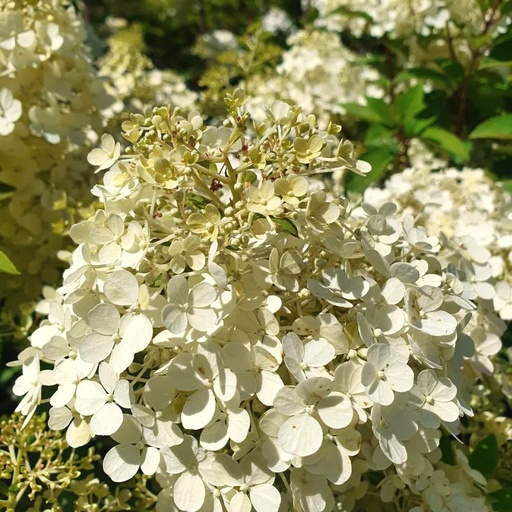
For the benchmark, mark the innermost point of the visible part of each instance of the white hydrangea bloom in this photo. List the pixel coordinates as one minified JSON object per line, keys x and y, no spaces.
{"x":435,"y":399}
{"x":103,"y":401}
{"x":472,"y":214}
{"x":51,"y":112}
{"x":415,"y":22}
{"x":291,"y":333}
{"x":381,"y":376}
{"x":303,"y":77}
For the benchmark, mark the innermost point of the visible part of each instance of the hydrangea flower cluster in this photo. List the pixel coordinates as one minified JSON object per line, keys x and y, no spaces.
{"x":399,"y":18}
{"x":248,"y":338}
{"x":418,"y":22}
{"x":50,"y":103}
{"x":303,"y":78}
{"x":474,"y":216}
{"x":133,"y":80}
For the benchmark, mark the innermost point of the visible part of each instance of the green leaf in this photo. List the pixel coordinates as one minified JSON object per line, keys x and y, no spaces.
{"x":351,"y":14}
{"x":249,"y":177}
{"x":7,"y":374}
{"x":480,"y":41}
{"x":409,"y":103}
{"x":499,"y":127}
{"x":380,"y":136}
{"x":447,"y":141}
{"x":381,"y":108}
{"x":423,"y":74}
{"x":6,"y":265}
{"x":484,"y":457}
{"x":197,"y":201}
{"x":489,"y":63}
{"x":362,"y":112}
{"x":506,"y":8}
{"x":453,"y":70}
{"x":507,"y":185}
{"x":374,"y":477}
{"x":446,"y":447}
{"x":502,"y":51}
{"x":501,"y":500}
{"x":4,"y":489}
{"x":484,"y":5}
{"x":6,"y":191}
{"x":379,"y":160}
{"x":286,"y":224}
{"x":415,"y":127}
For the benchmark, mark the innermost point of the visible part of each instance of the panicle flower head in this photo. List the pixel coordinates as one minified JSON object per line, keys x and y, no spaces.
{"x":226,"y":318}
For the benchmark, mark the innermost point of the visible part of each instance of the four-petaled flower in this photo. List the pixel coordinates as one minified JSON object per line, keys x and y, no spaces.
{"x":189,"y":306}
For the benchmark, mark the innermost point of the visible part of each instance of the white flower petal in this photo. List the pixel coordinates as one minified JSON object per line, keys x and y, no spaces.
{"x":202,"y":295}
{"x":224,"y":386}
{"x":314,"y":389}
{"x":97,"y":157}
{"x":174,"y":319}
{"x":121,"y":288}
{"x":123,"y":394}
{"x":150,"y":460}
{"x":108,"y":377}
{"x":393,"y":449}
{"x":90,"y":397}
{"x":214,"y":437}
{"x":268,"y":386}
{"x":122,"y":462}
{"x":380,"y":392}
{"x":404,"y":272}
{"x":379,"y":355}
{"x":202,"y":319}
{"x":399,"y":376}
{"x":300,"y":435}
{"x":129,"y":432}
{"x":189,"y":492}
{"x":393,"y":290}
{"x":198,"y":410}
{"x":63,"y":395}
{"x":104,"y":319}
{"x":265,"y":498}
{"x":120,"y":358}
{"x":177,"y":290}
{"x":136,"y":332}
{"x":107,"y":420}
{"x":60,"y":418}
{"x":288,"y":402}
{"x":318,"y":353}
{"x":239,"y":423}
{"x":437,"y":323}
{"x":335,"y":410}
{"x":78,"y":433}
{"x":293,"y":346}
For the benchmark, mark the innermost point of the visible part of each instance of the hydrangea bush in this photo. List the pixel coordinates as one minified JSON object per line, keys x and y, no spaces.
{"x":251,"y":339}
{"x":50,"y":113}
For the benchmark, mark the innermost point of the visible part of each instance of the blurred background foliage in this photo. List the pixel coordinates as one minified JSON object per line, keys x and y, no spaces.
{"x":463,"y":92}
{"x":172,"y":27}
